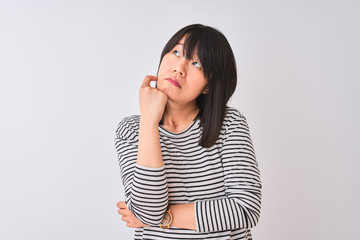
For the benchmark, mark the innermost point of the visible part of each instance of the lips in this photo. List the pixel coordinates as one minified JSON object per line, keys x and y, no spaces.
{"x":173,"y":82}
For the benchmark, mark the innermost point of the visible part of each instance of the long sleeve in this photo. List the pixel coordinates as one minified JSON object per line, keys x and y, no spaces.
{"x":241,"y":207}
{"x":146,"y":192}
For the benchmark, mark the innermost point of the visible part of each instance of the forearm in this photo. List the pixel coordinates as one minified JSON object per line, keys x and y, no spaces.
{"x":148,"y":196}
{"x":227,"y":213}
{"x":183,"y":216}
{"x":149,"y":192}
{"x":213,"y":215}
{"x":149,"y":149}
{"x":141,"y":163}
{"x":145,"y":180}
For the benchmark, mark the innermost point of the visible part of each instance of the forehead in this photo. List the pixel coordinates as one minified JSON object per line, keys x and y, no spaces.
{"x":188,"y":50}
{"x":182,"y":40}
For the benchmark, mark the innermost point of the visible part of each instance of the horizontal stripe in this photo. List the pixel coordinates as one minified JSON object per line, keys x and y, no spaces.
{"x":223,"y":181}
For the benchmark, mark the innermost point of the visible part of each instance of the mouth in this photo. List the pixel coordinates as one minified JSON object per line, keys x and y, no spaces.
{"x":173,"y":82}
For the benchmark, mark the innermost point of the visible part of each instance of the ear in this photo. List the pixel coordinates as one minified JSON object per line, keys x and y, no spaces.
{"x":205,"y":91}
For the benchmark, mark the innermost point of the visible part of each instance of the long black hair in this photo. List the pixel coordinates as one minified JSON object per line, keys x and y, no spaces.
{"x":219,"y":66}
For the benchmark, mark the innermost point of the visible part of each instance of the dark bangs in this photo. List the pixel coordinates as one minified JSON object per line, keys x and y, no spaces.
{"x":219,"y":67}
{"x":196,"y":39}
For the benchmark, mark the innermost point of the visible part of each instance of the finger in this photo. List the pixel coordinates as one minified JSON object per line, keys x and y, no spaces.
{"x":147,"y":80}
{"x":131,"y":225}
{"x":121,"y":204}
{"x":121,"y":212}
{"x":124,"y":218}
{"x":124,"y":211}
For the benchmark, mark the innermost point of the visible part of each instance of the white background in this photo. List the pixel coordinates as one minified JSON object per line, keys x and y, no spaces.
{"x":70,"y":71}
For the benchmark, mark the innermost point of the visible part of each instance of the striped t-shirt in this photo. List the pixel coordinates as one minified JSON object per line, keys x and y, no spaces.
{"x":222,"y":181}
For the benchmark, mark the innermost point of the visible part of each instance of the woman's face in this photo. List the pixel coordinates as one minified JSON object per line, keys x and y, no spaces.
{"x":181,"y":79}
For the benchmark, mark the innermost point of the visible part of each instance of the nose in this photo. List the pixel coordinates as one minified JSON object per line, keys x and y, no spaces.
{"x":180,"y":68}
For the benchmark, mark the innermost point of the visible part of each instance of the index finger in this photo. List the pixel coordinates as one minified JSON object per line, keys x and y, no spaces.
{"x":147,"y":80}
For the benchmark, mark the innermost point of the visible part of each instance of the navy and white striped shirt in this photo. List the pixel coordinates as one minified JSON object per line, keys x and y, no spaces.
{"x":222,"y":181}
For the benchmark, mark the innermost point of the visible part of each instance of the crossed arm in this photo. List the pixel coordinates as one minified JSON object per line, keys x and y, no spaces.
{"x":145,"y":180}
{"x":240,"y":208}
{"x":183,"y":216}
{"x":152,"y":105}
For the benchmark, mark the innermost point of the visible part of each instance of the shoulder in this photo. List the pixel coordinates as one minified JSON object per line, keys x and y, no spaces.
{"x":233,"y":117}
{"x":128,"y":128}
{"x":234,"y":125}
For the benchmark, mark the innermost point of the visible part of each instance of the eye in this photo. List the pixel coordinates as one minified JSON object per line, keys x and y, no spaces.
{"x":176,"y":53}
{"x":197,"y":64}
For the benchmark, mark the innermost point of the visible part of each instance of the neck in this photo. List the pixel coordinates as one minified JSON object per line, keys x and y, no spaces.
{"x":178,"y":118}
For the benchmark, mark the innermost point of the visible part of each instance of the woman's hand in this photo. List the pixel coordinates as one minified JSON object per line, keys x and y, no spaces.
{"x":152,"y":101}
{"x":128,"y":216}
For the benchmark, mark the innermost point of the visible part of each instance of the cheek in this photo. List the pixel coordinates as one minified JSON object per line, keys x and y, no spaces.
{"x":160,"y":69}
{"x":162,"y":72}
{"x":199,"y":81}
{"x":164,"y":65}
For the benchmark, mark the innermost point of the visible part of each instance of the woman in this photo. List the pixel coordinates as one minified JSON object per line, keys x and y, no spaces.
{"x":187,"y":162}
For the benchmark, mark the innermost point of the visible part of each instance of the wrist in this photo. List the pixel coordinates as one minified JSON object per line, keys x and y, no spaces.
{"x":183,"y":216}
{"x":148,"y":123}
{"x":167,"y":219}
